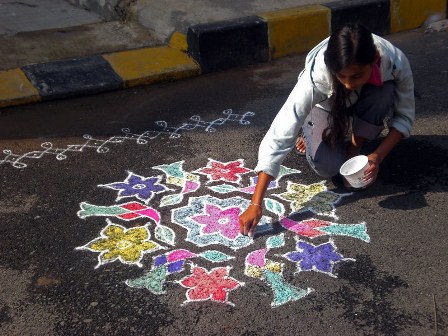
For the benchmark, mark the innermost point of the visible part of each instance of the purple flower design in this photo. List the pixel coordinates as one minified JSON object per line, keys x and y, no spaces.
{"x":217,"y":220}
{"x":319,"y":258}
{"x":144,"y":188}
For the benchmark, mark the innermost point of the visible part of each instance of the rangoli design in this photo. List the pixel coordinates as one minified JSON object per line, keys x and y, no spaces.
{"x":210,"y":220}
{"x":209,"y":285}
{"x":126,"y":211}
{"x":227,"y":188}
{"x":176,"y":175}
{"x":314,"y":197}
{"x":320,"y":258}
{"x":257,"y":266}
{"x":220,"y":171}
{"x":101,"y":145}
{"x":118,"y":243}
{"x":143,"y":188}
{"x":208,"y":225}
{"x":170,"y":263}
{"x":165,"y":234}
{"x":312,"y":228}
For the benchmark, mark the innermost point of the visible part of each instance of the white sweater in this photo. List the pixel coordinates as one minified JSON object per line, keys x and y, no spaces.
{"x":314,"y":89}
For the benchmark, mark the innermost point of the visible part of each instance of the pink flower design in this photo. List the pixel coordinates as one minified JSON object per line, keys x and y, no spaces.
{"x":216,"y":220}
{"x":214,"y":285}
{"x":230,"y":171}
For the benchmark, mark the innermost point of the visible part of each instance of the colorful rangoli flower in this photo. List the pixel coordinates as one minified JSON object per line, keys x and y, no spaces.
{"x":218,"y":220}
{"x":118,"y":243}
{"x":320,"y":258}
{"x":212,"y":285}
{"x":143,"y":188}
{"x":229,"y":171}
{"x":313,"y":197}
{"x":210,"y":220}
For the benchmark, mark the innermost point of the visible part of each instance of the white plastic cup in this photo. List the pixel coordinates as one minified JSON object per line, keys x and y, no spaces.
{"x":353,"y":171}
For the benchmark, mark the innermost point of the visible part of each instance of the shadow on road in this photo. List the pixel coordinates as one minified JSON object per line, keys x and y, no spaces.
{"x":366,"y":300}
{"x":416,"y":166}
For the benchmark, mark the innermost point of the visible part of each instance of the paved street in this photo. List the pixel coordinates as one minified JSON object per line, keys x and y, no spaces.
{"x":118,"y":212}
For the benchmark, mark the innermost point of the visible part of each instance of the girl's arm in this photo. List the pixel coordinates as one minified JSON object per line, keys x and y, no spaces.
{"x":250,"y":218}
{"x":375,"y":158}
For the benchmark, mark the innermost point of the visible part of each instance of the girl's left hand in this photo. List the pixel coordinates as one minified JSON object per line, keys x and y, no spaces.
{"x":371,"y":172}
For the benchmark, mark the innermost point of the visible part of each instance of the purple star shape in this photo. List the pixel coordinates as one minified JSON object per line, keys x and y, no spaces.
{"x":322,"y":257}
{"x":138,"y":186}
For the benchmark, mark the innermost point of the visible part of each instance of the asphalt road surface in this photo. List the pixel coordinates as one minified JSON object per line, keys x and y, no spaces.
{"x":118,"y":214}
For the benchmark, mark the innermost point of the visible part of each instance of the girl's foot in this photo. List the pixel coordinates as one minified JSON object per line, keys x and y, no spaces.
{"x":301,"y":145}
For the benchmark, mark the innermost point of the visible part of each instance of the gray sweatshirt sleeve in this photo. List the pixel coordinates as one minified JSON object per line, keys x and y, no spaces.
{"x":282,"y":135}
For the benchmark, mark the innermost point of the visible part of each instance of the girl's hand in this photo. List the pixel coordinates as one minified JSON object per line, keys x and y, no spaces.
{"x":389,"y":142}
{"x":372,"y":171}
{"x":249,"y":220}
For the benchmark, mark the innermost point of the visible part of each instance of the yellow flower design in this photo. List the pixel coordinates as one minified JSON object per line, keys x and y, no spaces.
{"x":314,"y":197}
{"x":254,"y":271}
{"x":126,"y":245}
{"x":300,"y":194}
{"x":274,"y":266}
{"x":323,"y":203}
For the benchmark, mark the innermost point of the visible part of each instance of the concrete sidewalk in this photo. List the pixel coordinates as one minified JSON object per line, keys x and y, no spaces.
{"x":51,"y":49}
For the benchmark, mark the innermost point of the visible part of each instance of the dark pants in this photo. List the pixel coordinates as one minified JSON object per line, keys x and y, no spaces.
{"x":373,"y":106}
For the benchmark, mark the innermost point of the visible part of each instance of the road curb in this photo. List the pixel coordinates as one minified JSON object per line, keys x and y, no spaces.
{"x":74,"y":77}
{"x":152,"y":65}
{"x":374,"y":14}
{"x":211,"y":47}
{"x":296,"y":30}
{"x":226,"y":44}
{"x":16,"y":89}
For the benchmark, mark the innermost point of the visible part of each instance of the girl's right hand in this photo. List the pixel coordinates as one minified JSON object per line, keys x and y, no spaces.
{"x":249,"y":220}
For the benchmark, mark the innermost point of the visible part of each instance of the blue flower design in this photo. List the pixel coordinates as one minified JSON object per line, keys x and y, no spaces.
{"x":320,"y":258}
{"x":143,"y":188}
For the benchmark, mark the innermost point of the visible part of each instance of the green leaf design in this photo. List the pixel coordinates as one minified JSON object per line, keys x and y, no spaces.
{"x":351,"y":230}
{"x":274,"y":206}
{"x":283,"y":291}
{"x":165,"y":234}
{"x":153,"y":281}
{"x":286,"y":171}
{"x":223,"y":188}
{"x":276,"y":241}
{"x":88,"y":210}
{"x":215,"y":256}
{"x":171,"y":200}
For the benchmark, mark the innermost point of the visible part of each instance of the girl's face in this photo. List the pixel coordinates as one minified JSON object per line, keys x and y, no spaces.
{"x":354,"y":76}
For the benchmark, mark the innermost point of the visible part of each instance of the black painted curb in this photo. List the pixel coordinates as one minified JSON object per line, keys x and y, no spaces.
{"x":226,"y":44}
{"x":69,"y":78}
{"x":374,"y":14}
{"x":214,"y":46}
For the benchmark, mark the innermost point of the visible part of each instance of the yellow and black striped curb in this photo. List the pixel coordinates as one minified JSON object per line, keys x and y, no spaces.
{"x":211,"y":47}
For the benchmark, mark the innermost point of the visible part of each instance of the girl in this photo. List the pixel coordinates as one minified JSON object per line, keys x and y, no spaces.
{"x":353,"y":78}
